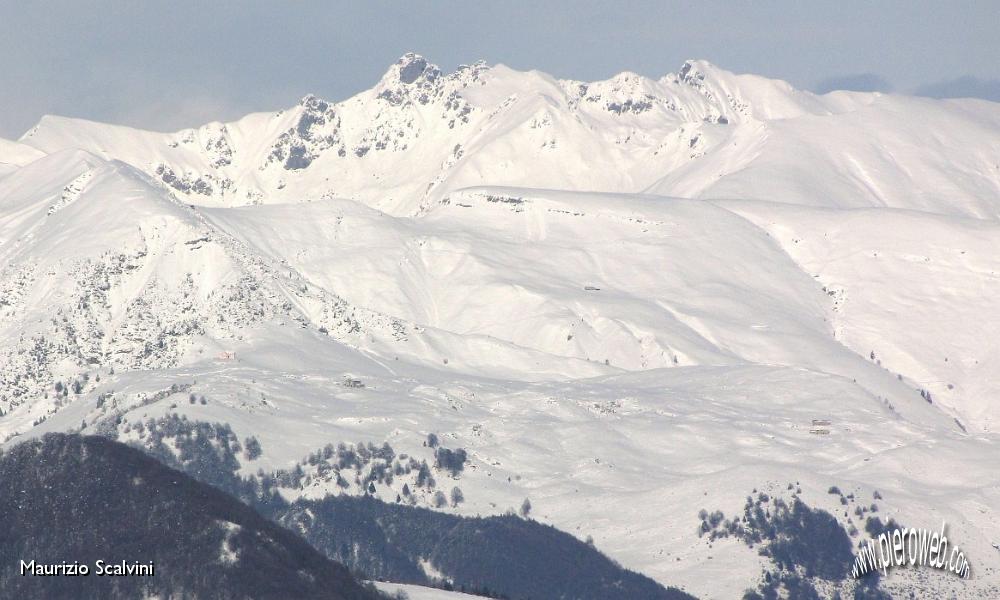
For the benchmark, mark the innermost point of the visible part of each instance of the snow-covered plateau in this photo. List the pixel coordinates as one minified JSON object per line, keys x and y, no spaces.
{"x":627,"y":300}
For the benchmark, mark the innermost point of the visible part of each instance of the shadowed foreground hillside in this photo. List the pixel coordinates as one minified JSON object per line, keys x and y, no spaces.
{"x":83,"y":499}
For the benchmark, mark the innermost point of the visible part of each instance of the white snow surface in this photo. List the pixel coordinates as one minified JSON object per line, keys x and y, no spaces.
{"x":418,"y":592}
{"x":627,"y":299}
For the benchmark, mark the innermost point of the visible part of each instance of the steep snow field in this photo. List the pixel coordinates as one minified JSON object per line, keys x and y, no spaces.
{"x":14,"y":155}
{"x":627,"y":300}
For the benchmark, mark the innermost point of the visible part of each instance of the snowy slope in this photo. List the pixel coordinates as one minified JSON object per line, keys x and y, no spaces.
{"x":628,"y":299}
{"x":895,"y":151}
{"x":14,"y":155}
{"x":102,"y":268}
{"x":665,"y":290}
{"x":416,"y":592}
{"x":913,"y":290}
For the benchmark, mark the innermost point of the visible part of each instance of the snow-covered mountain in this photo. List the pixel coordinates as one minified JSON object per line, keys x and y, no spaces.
{"x":702,"y":132}
{"x":627,"y":300}
{"x":14,"y":155}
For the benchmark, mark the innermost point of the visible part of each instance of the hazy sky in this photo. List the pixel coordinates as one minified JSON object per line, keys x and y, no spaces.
{"x":173,"y":64}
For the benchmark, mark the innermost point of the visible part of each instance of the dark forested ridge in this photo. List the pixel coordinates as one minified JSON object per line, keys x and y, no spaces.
{"x":809,"y":551}
{"x":504,"y":555}
{"x":74,"y":499}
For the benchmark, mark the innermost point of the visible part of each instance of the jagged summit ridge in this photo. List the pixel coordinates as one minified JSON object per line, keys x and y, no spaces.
{"x":414,"y":78}
{"x":408,"y":136}
{"x":700,"y":132}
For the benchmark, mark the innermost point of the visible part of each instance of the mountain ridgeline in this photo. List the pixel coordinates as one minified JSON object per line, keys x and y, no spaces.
{"x":420,"y":133}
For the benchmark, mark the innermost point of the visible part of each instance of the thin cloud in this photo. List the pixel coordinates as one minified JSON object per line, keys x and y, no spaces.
{"x":186,"y":110}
